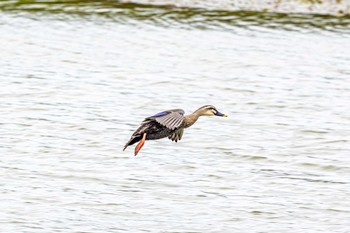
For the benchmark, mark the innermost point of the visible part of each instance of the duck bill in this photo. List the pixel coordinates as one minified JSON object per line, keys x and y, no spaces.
{"x":220,"y":114}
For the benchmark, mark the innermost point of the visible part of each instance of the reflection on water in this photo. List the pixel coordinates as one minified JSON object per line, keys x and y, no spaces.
{"x":336,"y":8}
{"x":77,"y":78}
{"x":176,"y":16}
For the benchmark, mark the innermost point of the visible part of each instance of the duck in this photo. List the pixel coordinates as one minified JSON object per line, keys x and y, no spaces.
{"x":170,"y":123}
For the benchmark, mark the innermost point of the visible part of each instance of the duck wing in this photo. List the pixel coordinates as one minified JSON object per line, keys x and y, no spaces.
{"x":177,"y":135}
{"x":171,"y":119}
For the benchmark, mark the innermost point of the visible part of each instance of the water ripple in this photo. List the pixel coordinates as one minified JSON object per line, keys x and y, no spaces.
{"x":79,"y":76}
{"x":182,"y":17}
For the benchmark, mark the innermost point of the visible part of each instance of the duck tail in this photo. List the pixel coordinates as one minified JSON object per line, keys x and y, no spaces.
{"x":132,"y":140}
{"x":126,"y":145}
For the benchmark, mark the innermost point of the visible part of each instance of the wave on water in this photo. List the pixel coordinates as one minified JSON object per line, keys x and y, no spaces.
{"x":328,"y":7}
{"x":331,"y":15}
{"x":325,"y":7}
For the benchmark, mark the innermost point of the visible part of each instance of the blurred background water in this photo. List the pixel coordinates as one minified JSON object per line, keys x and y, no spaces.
{"x":79,"y":76}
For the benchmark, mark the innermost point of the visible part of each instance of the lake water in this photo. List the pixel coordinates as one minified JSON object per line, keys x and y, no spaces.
{"x":78,"y":77}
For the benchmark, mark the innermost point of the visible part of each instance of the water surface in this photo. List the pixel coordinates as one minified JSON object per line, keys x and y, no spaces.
{"x":78,"y":77}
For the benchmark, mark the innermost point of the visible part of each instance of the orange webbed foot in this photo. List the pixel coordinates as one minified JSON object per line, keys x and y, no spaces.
{"x":141,"y":143}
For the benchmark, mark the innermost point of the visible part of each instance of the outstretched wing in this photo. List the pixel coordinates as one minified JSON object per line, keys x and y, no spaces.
{"x":171,"y":119}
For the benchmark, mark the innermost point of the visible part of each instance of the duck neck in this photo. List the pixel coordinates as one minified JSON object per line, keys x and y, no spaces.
{"x":191,"y":119}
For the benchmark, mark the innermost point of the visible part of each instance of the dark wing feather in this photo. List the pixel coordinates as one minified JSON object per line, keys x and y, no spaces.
{"x":171,"y":119}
